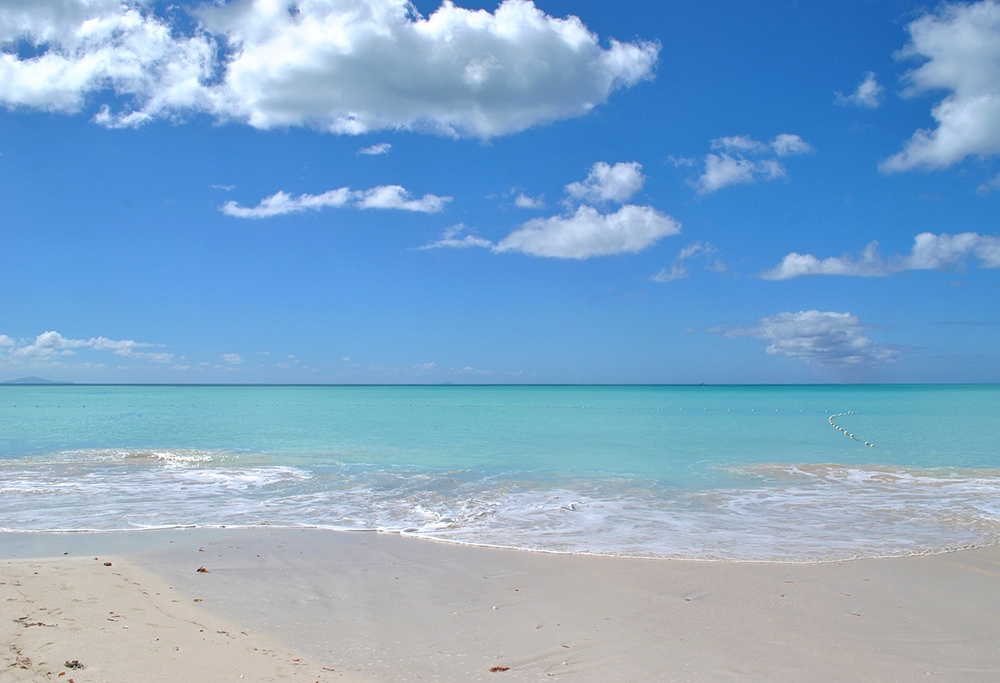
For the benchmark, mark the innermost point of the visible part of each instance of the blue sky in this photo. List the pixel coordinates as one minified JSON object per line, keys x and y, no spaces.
{"x":370,"y":191}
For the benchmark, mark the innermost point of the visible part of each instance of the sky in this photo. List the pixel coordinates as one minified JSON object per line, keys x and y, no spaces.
{"x":375,"y":191}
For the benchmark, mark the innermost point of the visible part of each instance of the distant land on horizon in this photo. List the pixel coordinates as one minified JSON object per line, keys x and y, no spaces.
{"x":33,"y":380}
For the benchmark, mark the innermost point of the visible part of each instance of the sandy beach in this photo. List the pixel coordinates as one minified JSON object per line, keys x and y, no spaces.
{"x":280,"y":604}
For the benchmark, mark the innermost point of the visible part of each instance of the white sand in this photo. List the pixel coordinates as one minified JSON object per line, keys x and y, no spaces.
{"x":384,"y":608}
{"x":75,"y":619}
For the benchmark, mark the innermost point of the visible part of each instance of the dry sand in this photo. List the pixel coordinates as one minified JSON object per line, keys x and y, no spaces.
{"x":379,"y":607}
{"x":77,"y":619}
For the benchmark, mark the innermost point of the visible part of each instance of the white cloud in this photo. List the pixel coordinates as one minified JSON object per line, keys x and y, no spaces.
{"x":868,"y":264}
{"x":786,"y":144}
{"x":587,"y":233}
{"x":989,"y":186}
{"x":281,"y":203}
{"x":868,"y":94}
{"x":232,"y":358}
{"x":606,"y":183}
{"x":376,"y":150}
{"x":820,"y":338}
{"x":935,"y":252}
{"x":395,"y":197}
{"x":959,"y":46}
{"x":382,"y":197}
{"x":523,"y":201}
{"x":929,"y":252}
{"x":89,"y":46}
{"x":738,"y":162}
{"x":349,"y":66}
{"x":740,"y":144}
{"x":49,"y":346}
{"x":451,"y":239}
{"x":678,"y":162}
{"x":723,"y":170}
{"x":679,"y":270}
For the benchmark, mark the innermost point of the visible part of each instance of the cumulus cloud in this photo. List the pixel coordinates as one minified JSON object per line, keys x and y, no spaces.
{"x":585,"y":231}
{"x":959,"y":47}
{"x":787,"y":144}
{"x":936,"y":252}
{"x":679,"y":270}
{"x":588,"y":232}
{"x":929,"y":252}
{"x":376,"y":150}
{"x":348,"y":66}
{"x":232,"y":358}
{"x":89,"y":46}
{"x":395,"y":197}
{"x":740,"y":161}
{"x":51,"y":346}
{"x":868,"y":94}
{"x":723,"y":170}
{"x":382,"y":197}
{"x":606,"y":183}
{"x":820,"y":338}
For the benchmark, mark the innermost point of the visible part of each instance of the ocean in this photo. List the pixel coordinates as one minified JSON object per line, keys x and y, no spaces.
{"x":748,"y":473}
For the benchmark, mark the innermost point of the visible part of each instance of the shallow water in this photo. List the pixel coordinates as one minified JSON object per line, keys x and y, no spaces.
{"x":745,"y":473}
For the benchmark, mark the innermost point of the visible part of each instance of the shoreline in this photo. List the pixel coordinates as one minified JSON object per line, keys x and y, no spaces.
{"x":6,"y":536}
{"x":386,"y":607}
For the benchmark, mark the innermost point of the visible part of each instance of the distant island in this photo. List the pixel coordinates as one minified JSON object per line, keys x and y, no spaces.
{"x":32,"y":380}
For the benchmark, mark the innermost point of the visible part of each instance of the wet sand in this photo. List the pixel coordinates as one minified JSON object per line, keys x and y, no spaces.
{"x":282,"y":604}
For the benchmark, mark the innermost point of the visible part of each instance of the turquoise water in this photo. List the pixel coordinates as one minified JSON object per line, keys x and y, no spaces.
{"x":747,"y":473}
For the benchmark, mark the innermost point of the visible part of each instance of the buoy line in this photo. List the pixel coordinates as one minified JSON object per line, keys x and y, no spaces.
{"x":844,"y":431}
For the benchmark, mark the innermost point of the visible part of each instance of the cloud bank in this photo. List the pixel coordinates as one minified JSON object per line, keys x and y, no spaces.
{"x":959,"y":46}
{"x":742,"y":160}
{"x":51,"y":348}
{"x":929,"y":252}
{"x":820,"y":338}
{"x":347,"y":66}
{"x":382,"y":197}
